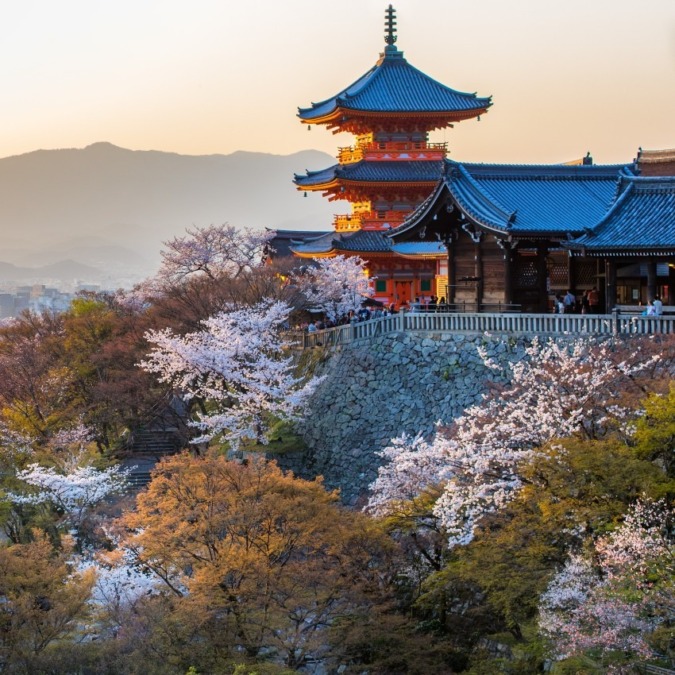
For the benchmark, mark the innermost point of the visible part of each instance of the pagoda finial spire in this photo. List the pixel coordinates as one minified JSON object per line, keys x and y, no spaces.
{"x":390,"y":26}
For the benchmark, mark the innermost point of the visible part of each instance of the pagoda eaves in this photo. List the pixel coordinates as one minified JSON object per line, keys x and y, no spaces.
{"x":391,"y":91}
{"x":372,"y":174}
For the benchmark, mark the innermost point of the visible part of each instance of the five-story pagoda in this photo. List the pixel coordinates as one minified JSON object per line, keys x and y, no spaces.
{"x":391,"y":168}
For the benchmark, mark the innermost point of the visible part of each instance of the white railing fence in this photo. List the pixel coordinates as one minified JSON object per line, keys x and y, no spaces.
{"x":509,"y":323}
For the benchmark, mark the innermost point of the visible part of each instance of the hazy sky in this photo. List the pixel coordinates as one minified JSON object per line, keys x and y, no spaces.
{"x":215,"y":76}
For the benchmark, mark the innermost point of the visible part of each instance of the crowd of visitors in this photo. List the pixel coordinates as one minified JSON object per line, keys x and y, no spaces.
{"x":587,"y":303}
{"x":364,"y":314}
{"x":420,"y":304}
{"x":569,"y":303}
{"x":427,"y":304}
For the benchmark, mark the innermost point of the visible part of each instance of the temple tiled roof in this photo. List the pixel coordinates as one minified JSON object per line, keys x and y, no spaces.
{"x":364,"y":240}
{"x":427,"y":171}
{"x":392,"y":86}
{"x":352,"y":242}
{"x":533,"y":199}
{"x":424,"y":249}
{"x":527,"y":199}
{"x":283,"y":241}
{"x":641,"y":220}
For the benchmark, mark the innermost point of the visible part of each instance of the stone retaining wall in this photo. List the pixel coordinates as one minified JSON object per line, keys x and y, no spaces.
{"x":376,"y":389}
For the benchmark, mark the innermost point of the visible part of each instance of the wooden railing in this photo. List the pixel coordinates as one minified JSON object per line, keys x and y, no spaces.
{"x":655,"y":670}
{"x":392,"y":150}
{"x":497,"y":323}
{"x":347,"y":223}
{"x":374,"y":220}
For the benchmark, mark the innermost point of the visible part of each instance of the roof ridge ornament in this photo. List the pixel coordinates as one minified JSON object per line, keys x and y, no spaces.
{"x":390,"y":26}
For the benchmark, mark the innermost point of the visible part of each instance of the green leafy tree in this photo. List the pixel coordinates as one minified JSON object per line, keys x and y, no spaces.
{"x":655,"y":432}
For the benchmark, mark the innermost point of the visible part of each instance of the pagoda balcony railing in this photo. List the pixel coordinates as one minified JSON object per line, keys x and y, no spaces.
{"x":347,"y":223}
{"x":496,"y":323}
{"x":369,"y":220}
{"x":393,"y":150}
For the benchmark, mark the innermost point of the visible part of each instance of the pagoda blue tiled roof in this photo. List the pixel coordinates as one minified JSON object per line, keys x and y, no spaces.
{"x":427,"y":171}
{"x":392,"y":85}
{"x":527,"y":200}
{"x":641,"y":220}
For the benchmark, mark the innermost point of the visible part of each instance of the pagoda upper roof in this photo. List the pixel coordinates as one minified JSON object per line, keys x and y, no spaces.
{"x":641,"y":220}
{"x":418,"y":171}
{"x":525,"y":199}
{"x":392,"y":85}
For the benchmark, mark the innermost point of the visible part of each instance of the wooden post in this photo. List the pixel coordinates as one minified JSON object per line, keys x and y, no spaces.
{"x":571,"y":274}
{"x":542,"y":278}
{"x":401,"y":320}
{"x":651,"y":279}
{"x":509,"y":267}
{"x":478,"y":268}
{"x":610,"y":285}
{"x":452,"y":270}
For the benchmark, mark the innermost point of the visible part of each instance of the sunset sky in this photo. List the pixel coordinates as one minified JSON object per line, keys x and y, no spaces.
{"x":216,"y":76}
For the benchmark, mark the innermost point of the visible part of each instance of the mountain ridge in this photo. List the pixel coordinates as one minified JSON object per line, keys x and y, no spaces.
{"x":129,"y":201}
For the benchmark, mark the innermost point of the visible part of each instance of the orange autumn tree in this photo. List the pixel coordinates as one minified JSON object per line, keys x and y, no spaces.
{"x":264,"y":558}
{"x":42,"y":601}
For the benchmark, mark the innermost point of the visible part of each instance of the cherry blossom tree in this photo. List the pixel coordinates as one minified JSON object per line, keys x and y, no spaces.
{"x":558,"y":389}
{"x":119,"y":585}
{"x":239,"y":365}
{"x":336,"y":286}
{"x":212,"y":251}
{"x":615,"y":596}
{"x":73,"y":486}
{"x":74,"y":493}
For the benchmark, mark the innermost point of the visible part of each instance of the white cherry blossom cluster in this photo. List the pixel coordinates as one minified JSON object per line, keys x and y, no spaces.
{"x":239,"y":366}
{"x":13,"y":444}
{"x":336,"y":286}
{"x":120,"y":583}
{"x":556,"y":390}
{"x":212,"y":251}
{"x":72,"y":492}
{"x":613,"y":597}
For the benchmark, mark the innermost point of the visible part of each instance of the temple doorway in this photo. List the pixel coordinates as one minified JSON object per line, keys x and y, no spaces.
{"x":403,"y":292}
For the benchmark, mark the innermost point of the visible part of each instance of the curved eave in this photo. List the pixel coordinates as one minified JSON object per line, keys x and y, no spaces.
{"x":421,"y":212}
{"x":584,"y":251}
{"x":369,"y":254}
{"x":331,"y":253}
{"x":387,"y":183}
{"x":421,"y":256}
{"x":335,"y":185}
{"x":337,"y":116}
{"x":320,"y":187}
{"x":337,"y":251}
{"x":477,"y":205}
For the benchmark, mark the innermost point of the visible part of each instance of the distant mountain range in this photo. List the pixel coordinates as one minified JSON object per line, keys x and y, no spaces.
{"x":68,"y":271}
{"x":102,"y":212}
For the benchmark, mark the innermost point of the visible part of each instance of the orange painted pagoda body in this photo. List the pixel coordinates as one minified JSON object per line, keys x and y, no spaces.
{"x":389,"y":171}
